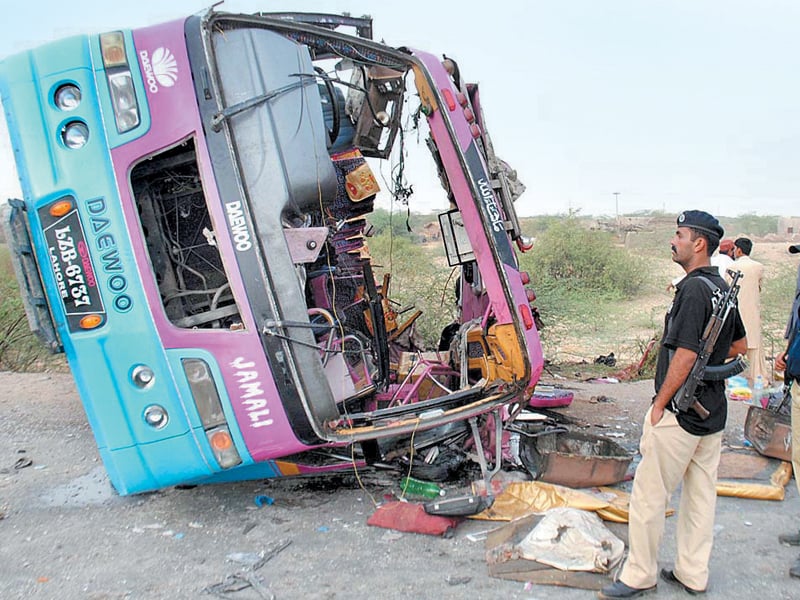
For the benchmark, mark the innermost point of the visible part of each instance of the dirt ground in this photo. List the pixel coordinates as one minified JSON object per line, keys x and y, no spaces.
{"x":66,"y":534}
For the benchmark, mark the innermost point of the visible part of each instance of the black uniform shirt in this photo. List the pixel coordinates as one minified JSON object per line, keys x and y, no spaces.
{"x":684,"y":325}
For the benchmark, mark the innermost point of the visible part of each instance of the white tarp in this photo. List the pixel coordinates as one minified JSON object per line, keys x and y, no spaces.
{"x":573,"y":540}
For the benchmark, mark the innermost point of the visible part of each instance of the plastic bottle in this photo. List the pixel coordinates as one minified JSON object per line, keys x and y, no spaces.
{"x":417,"y":487}
{"x":758,"y":391}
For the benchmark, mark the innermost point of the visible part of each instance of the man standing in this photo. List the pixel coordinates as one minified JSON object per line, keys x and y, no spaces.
{"x":793,"y":539}
{"x":750,"y":308}
{"x":723,"y":260}
{"x":681,"y":446}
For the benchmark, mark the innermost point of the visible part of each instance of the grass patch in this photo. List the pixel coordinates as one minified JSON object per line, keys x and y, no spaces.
{"x":20,"y":350}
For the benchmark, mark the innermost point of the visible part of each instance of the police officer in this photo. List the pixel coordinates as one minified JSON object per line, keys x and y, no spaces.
{"x":681,"y":446}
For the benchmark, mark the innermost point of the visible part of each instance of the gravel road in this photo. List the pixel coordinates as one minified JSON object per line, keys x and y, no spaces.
{"x":65,"y":534}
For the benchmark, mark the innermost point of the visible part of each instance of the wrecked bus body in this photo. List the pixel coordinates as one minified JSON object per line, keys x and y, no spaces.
{"x":193,"y":237}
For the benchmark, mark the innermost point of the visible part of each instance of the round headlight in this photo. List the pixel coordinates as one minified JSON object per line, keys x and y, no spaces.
{"x":75,"y":134}
{"x":156,"y":416}
{"x":67,"y":97}
{"x":142,"y":376}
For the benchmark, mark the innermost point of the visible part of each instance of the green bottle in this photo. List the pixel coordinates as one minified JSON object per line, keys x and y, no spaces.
{"x":417,"y":487}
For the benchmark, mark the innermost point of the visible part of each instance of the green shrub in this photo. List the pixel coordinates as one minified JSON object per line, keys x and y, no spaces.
{"x":568,"y":257}
{"x":420,"y":279}
{"x":20,"y":350}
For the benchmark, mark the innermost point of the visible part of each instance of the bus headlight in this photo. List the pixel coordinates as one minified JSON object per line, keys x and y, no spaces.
{"x":67,"y":97}
{"x":120,"y":81}
{"x":156,"y":416}
{"x":222,"y":445}
{"x":75,"y":134}
{"x":123,"y":99}
{"x":204,"y":392}
{"x":142,"y":376}
{"x":206,"y":399}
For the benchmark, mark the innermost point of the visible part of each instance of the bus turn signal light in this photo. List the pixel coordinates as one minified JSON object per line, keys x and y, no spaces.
{"x":60,"y":208}
{"x":91,"y":321}
{"x":221,"y":440}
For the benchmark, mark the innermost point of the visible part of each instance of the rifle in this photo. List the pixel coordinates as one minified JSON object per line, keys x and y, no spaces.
{"x":685,"y":399}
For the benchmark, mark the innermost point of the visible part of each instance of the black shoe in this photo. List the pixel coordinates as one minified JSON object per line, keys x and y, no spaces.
{"x":669,"y":576}
{"x":620,"y":590}
{"x":794,"y":570}
{"x":790,"y":539}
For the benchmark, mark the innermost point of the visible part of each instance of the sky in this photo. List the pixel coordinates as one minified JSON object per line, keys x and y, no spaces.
{"x":603,"y":107}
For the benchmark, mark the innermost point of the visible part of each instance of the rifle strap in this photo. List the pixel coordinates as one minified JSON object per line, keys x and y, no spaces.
{"x":714,"y":291}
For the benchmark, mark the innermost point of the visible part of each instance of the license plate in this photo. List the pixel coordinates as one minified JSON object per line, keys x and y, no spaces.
{"x":72,"y":267}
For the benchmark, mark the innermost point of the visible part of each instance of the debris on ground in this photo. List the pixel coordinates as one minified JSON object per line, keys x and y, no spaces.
{"x":522,"y":498}
{"x":606,"y":359}
{"x":741,"y":476}
{"x":22,"y":463}
{"x":247,"y":577}
{"x":572,"y":540}
{"x":506,"y":559}
{"x":410,"y":517}
{"x":601,"y":398}
{"x":575,"y":460}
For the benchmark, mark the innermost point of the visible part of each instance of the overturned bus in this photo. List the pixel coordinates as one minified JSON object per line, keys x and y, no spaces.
{"x":193,"y":235}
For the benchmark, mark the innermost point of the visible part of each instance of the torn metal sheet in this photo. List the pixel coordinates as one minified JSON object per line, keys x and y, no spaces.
{"x":575,"y":459}
{"x":769,"y":432}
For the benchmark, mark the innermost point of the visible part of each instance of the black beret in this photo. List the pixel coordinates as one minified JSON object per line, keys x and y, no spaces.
{"x":702,"y":221}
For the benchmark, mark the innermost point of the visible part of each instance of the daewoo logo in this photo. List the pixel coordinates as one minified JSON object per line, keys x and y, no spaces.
{"x":161,"y":69}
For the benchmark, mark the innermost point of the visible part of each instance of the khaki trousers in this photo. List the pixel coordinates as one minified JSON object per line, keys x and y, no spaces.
{"x":671,"y":455}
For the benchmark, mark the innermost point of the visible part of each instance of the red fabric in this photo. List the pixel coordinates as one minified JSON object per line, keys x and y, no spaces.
{"x":410,"y":517}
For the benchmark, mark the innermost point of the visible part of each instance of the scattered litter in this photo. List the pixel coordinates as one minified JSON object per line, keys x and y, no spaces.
{"x":23,"y":462}
{"x":748,"y":524}
{"x":39,"y":467}
{"x":248,"y":528}
{"x":608,"y":360}
{"x":572,"y":540}
{"x":597,"y":399}
{"x":411,"y":517}
{"x":238,"y":582}
{"x":195,"y":525}
{"x":452,"y":580}
{"x":548,"y":396}
{"x":418,"y":487}
{"x":604,"y":380}
{"x":247,"y":559}
{"x":264,"y":501}
{"x":179,"y":536}
{"x":478,"y":536}
{"x":598,"y":549}
{"x":247,"y":578}
{"x":323,"y":529}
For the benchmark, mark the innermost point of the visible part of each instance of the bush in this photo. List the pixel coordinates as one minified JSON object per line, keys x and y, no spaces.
{"x":419,"y":280}
{"x":20,"y":350}
{"x":569,"y":258}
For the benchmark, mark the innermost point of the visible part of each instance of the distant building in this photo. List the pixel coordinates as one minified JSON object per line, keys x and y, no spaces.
{"x":789,"y":227}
